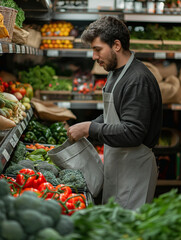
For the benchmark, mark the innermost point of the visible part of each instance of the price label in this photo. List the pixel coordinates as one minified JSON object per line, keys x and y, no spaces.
{"x":15,"y":138}
{"x":20,"y":129}
{"x":10,"y":48}
{"x":160,"y":55}
{"x":26,"y":122}
{"x":23,"y":49}
{"x":31,"y":112}
{"x":52,"y":53}
{"x":23,"y":126}
{"x":178,"y":55}
{"x":1,"y":49}
{"x":27,"y":50}
{"x":6,"y":154}
{"x":64,"y":104}
{"x":100,"y":105}
{"x":89,"y":54}
{"x":12,"y":142}
{"x":28,"y":116}
{"x":18,"y":49}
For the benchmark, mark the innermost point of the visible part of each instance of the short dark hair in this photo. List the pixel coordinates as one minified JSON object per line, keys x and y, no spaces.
{"x":108,"y":29}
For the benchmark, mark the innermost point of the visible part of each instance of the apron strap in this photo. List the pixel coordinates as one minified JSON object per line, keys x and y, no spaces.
{"x":121,"y":74}
{"x":124,"y":70}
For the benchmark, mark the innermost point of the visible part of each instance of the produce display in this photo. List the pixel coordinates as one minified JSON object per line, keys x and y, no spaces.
{"x":39,"y":161}
{"x":20,"y":17}
{"x":11,"y":111}
{"x":155,"y":32}
{"x":44,"y":78}
{"x":55,"y":30}
{"x":158,"y":220}
{"x":19,"y":216}
{"x":37,"y":132}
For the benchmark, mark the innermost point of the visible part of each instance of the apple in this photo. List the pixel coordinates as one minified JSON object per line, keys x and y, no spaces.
{"x":18,"y":95}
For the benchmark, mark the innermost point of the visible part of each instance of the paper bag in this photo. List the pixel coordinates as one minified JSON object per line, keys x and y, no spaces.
{"x":80,"y":155}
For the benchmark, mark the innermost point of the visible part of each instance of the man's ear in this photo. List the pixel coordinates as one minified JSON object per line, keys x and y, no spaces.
{"x":117,"y":45}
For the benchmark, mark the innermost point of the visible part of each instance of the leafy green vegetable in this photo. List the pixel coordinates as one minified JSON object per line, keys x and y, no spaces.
{"x":20,"y":17}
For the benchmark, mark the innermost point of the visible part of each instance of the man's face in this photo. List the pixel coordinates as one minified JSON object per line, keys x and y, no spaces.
{"x":104,"y":55}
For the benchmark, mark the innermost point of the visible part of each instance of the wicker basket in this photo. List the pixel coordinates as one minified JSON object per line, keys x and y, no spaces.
{"x":9,"y":21}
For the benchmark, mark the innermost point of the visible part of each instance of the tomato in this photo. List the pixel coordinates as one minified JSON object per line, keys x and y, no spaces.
{"x":26,"y":177}
{"x":62,"y":189}
{"x":45,"y":187}
{"x":39,"y":180}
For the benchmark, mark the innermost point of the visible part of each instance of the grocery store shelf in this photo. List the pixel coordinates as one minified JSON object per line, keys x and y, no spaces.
{"x":6,"y":47}
{"x":89,"y":104}
{"x":169,"y":183}
{"x":12,"y":137}
{"x":162,"y":18}
{"x":84,"y":15}
{"x":87,"y":53}
{"x":92,"y":104}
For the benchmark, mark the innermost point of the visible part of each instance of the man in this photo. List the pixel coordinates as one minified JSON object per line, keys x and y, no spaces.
{"x":131,"y":121}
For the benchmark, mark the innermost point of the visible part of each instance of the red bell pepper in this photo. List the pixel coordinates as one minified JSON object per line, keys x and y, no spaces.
{"x":39,"y":180}
{"x":47,"y":189}
{"x":63,"y":190}
{"x":25,"y":177}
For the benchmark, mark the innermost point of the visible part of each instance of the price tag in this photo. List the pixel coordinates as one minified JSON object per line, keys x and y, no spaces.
{"x":52,"y":53}
{"x":23,"y":49}
{"x":20,"y":129}
{"x":64,"y":104}
{"x":10,"y":48}
{"x":31,"y":112}
{"x":6,"y":154}
{"x":178,"y":55}
{"x":18,"y":49}
{"x":23,"y":126}
{"x":1,"y":49}
{"x":89,"y":54}
{"x":12,"y":142}
{"x":15,"y":138}
{"x":26,"y":122}
{"x":160,"y":55}
{"x":27,"y":50}
{"x":100,"y":105}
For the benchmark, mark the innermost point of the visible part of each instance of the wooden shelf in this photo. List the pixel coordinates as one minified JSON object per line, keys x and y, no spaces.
{"x":169,"y":183}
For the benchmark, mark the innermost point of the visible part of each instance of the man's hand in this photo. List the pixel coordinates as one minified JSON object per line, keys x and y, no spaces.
{"x":78,"y":131}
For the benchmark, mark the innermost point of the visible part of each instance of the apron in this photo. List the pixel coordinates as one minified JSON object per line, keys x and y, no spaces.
{"x":130,"y":174}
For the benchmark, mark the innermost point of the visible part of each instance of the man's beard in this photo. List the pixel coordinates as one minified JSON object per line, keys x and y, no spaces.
{"x":112,"y":62}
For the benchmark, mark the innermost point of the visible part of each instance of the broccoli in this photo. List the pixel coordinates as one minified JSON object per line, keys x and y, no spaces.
{"x":13,"y":169}
{"x":50,"y":177}
{"x":28,"y":210}
{"x":27,"y":164}
{"x":40,"y":166}
{"x":19,"y":152}
{"x":73,"y":178}
{"x":47,"y":234}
